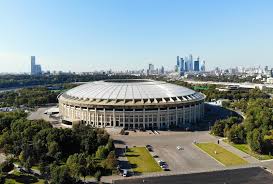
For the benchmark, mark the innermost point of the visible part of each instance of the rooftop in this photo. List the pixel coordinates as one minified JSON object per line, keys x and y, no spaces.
{"x":132,"y":90}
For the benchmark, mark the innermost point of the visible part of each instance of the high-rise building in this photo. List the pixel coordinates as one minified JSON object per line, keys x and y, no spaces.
{"x":186,"y":64}
{"x":162,"y":70}
{"x":182,"y":64}
{"x":190,"y":63}
{"x":151,"y":69}
{"x":35,"y":69}
{"x":33,"y":65}
{"x":196,"y":65}
{"x":177,"y":60}
{"x":203,"y":67}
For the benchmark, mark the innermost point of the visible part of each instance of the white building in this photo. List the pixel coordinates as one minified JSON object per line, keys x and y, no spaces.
{"x":133,"y":104}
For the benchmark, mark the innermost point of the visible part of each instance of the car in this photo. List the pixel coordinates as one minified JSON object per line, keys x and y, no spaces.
{"x":155,"y":156}
{"x":165,"y":167}
{"x":161,"y":163}
{"x":148,"y":146}
{"x":125,"y":173}
{"x":179,"y":148}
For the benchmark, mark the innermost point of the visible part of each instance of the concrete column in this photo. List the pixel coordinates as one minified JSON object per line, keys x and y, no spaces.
{"x":190,"y":114}
{"x":95,"y":118}
{"x":176,"y":117}
{"x":184,"y":115}
{"x":104,"y":118}
{"x":134,"y":119}
{"x":74,"y":112}
{"x":123,"y":114}
{"x":87,"y":116}
{"x":158,"y":118}
{"x":195,"y":113}
{"x":168,"y":117}
{"x":114,"y":118}
{"x":144,"y":122}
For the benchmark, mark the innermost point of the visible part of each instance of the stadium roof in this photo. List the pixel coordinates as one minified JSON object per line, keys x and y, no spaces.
{"x":132,"y":90}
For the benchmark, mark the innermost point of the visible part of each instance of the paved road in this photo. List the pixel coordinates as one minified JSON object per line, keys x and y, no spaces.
{"x":187,"y":160}
{"x":122,"y":159}
{"x":254,"y":175}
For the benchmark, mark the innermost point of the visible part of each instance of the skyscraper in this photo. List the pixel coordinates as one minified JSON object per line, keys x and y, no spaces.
{"x":203,"y":67}
{"x":32,"y":65}
{"x":182,"y":64}
{"x":177,"y":60}
{"x":35,"y":69}
{"x":151,"y":69}
{"x":190,"y":63}
{"x":162,"y":71}
{"x":196,"y":65}
{"x":186,"y":64}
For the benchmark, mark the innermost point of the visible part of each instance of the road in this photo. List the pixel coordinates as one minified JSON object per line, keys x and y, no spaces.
{"x":187,"y":160}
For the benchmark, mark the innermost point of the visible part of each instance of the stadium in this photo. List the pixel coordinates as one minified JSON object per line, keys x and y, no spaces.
{"x":132,"y":104}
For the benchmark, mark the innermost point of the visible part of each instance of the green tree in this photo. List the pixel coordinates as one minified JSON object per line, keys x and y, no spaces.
{"x":255,"y":140}
{"x":111,"y":161}
{"x":61,"y":175}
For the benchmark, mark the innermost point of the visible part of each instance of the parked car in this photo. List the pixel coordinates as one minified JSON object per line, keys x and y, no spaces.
{"x":161,"y":162}
{"x":179,"y":148}
{"x":165,"y":167}
{"x":155,"y":156}
{"x":125,"y":173}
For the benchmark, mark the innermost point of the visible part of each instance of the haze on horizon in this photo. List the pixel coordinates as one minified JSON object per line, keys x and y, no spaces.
{"x":118,"y":34}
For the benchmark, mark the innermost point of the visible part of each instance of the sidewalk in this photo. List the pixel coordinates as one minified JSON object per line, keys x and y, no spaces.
{"x":240,"y":153}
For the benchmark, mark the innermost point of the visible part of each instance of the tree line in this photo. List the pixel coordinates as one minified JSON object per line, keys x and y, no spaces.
{"x":256,"y":129}
{"x":62,"y":155}
{"x":15,"y":81}
{"x":211,"y":92}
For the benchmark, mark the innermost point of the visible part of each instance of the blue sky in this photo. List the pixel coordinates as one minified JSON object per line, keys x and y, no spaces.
{"x":86,"y":35}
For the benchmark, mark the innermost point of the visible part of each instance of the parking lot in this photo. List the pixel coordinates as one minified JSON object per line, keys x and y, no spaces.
{"x":188,"y":159}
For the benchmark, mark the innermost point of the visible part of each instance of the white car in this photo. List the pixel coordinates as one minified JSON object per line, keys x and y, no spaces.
{"x":179,"y":148}
{"x":125,"y":173}
{"x":160,"y":161}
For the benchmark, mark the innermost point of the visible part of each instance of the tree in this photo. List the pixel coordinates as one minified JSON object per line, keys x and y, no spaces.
{"x":98,"y":175}
{"x":6,"y":166}
{"x":61,"y":175}
{"x":111,"y":161}
{"x":91,"y":165}
{"x":101,"y":152}
{"x":74,"y":166}
{"x":255,"y":140}
{"x":237,"y":134}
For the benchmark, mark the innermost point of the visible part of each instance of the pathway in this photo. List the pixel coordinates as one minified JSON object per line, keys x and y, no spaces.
{"x":250,"y":159}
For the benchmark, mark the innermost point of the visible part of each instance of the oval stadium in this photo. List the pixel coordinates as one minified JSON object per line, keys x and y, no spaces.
{"x":132,"y":104}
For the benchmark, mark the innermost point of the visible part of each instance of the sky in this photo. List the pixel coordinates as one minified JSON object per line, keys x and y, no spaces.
{"x":87,"y":35}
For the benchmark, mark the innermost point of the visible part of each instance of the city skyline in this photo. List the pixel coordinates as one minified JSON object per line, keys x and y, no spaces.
{"x":99,"y":35}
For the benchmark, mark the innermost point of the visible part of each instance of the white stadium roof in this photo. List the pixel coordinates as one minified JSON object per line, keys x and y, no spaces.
{"x":132,"y":90}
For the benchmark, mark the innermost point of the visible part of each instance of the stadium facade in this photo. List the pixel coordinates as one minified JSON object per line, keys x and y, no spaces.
{"x":132,"y":104}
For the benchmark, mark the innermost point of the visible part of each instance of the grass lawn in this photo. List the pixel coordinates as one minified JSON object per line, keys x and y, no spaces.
{"x":17,"y":178}
{"x":245,"y":148}
{"x":222,"y":155}
{"x":141,"y":160}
